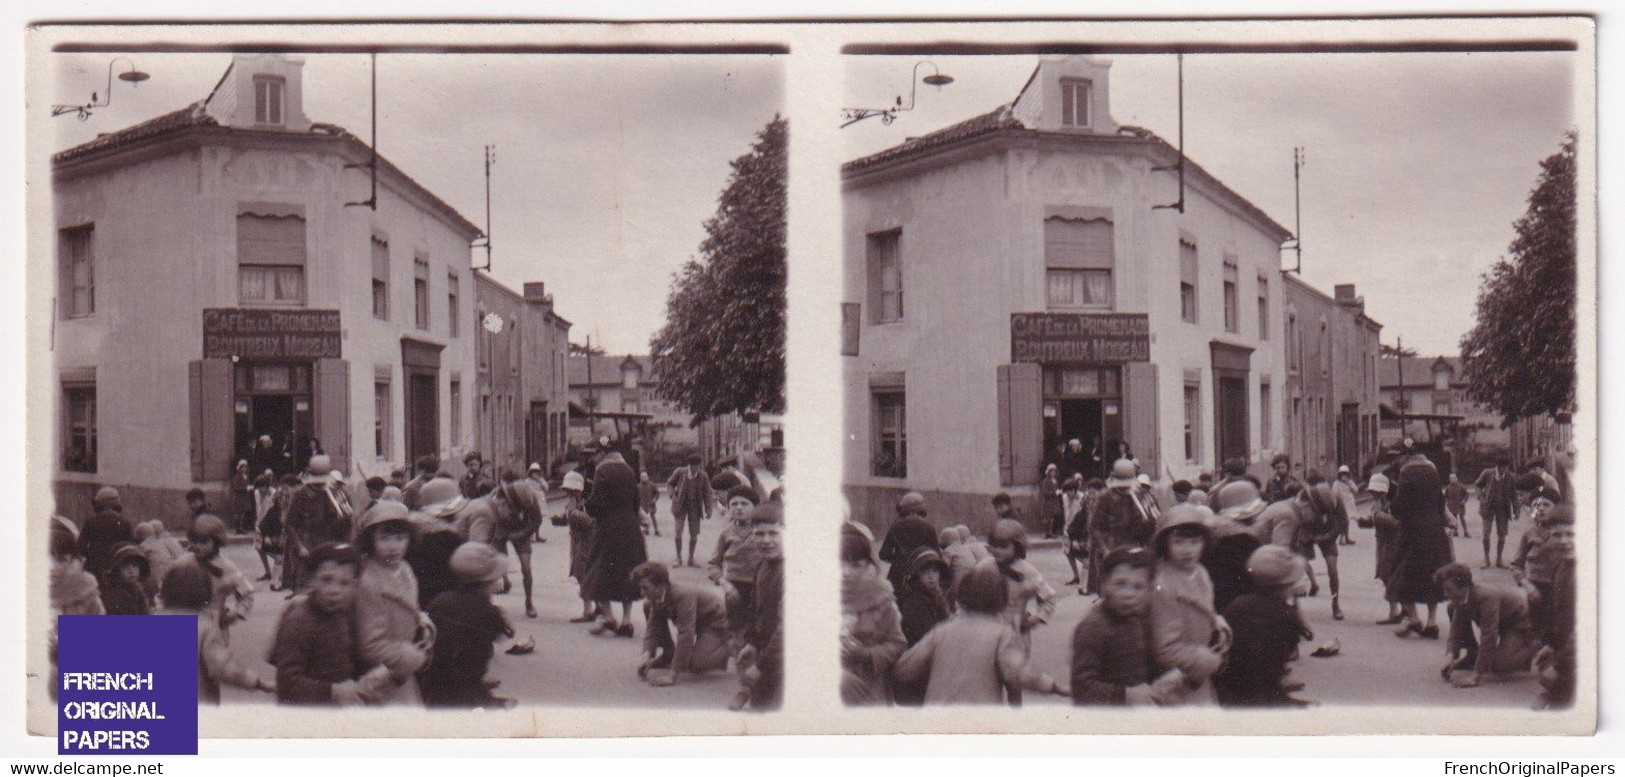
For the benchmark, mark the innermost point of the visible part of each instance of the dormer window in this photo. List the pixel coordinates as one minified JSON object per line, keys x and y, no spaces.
{"x":1441,"y":379}
{"x":268,"y":92}
{"x":630,"y":377}
{"x":1077,"y":95}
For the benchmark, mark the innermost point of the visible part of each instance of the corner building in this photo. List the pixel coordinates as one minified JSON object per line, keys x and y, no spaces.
{"x":1010,"y":284}
{"x":217,"y":282}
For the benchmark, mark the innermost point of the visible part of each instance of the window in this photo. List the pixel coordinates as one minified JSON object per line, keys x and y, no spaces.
{"x":1263,"y":307}
{"x":1188,"y":310}
{"x":79,"y":449}
{"x":1076,"y":99}
{"x":452,"y":308}
{"x":1292,"y":341}
{"x":891,"y":435}
{"x":1264,"y":415}
{"x":268,"y":99}
{"x":1441,"y":380}
{"x":383,"y":413}
{"x":1232,"y":302}
{"x":271,"y":259}
{"x":420,"y":290}
{"x":1193,"y":420}
{"x":885,"y":277}
{"x":380,"y":278}
{"x":1078,"y":257}
{"x":456,"y":399}
{"x":1325,"y":354}
{"x":76,"y":247}
{"x":629,"y":377}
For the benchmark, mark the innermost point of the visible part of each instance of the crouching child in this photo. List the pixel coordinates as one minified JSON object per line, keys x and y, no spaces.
{"x":1265,"y":630}
{"x":467,"y":625}
{"x":701,"y":641}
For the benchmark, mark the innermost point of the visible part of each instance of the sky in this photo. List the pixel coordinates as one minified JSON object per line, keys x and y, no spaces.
{"x":1417,"y":164}
{"x":607,"y":166}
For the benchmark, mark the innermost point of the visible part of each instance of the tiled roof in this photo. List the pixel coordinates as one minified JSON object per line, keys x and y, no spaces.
{"x":175,"y":121}
{"x":1418,"y":370}
{"x":606,"y":369}
{"x":997,"y":119}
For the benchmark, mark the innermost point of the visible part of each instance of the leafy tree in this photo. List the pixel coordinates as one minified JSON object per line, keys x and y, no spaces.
{"x":722,"y":348}
{"x":1519,"y":358}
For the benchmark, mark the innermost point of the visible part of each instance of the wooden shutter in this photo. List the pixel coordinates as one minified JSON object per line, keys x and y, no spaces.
{"x":1021,"y":423}
{"x":270,"y":239}
{"x":213,"y":425}
{"x":1140,"y":405}
{"x":1078,"y":244}
{"x":332,"y":386}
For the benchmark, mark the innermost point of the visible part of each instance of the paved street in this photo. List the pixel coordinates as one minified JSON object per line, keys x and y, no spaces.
{"x":1374,"y":667}
{"x":569,"y":667}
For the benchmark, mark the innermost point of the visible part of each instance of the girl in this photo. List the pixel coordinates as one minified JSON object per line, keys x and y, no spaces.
{"x":871,"y":628}
{"x":1387,"y":531}
{"x":580,"y":524}
{"x":233,"y":595}
{"x":467,"y":624}
{"x":1075,"y":505}
{"x":1007,"y":545}
{"x":268,"y":529}
{"x":124,"y":584}
{"x":975,"y":657}
{"x":186,"y":591}
{"x":1188,"y":634}
{"x":393,"y":632}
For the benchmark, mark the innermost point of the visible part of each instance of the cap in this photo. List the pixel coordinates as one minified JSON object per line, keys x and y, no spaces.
{"x":477,"y":562}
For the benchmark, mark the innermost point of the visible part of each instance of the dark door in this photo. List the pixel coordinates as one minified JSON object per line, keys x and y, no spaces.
{"x":536,"y":436}
{"x":1231,"y":417}
{"x":1081,"y":421}
{"x":422,"y":415}
{"x":1348,"y":436}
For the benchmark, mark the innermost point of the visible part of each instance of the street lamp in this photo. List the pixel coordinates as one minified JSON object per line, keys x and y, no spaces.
{"x":851,"y":116}
{"x":104,"y":99}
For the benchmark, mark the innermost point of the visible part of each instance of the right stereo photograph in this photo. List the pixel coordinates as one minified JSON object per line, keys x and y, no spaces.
{"x":1214,"y":378}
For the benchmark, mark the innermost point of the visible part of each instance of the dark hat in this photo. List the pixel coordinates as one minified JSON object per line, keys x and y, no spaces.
{"x":195,"y":495}
{"x":926,"y":557}
{"x":124,"y":552}
{"x":428,"y":463}
{"x":376,"y":483}
{"x":743,"y":491}
{"x":1529,"y":481}
{"x":767,"y":512}
{"x":186,"y":586}
{"x":472,"y":456}
{"x":1001,"y":498}
{"x":1182,"y":487}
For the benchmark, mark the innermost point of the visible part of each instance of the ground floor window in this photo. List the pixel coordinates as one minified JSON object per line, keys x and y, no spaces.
{"x":79,"y":449}
{"x":891,"y":435}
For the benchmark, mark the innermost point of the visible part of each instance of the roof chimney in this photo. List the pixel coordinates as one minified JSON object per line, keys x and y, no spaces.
{"x":535,"y":292}
{"x":1345,"y":294}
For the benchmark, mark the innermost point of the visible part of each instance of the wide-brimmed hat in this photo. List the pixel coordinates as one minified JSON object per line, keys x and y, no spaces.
{"x":391,"y":494}
{"x":573,"y":481}
{"x":1009,"y":532}
{"x":1183,"y":516}
{"x":1379,"y":484}
{"x":319,"y":470}
{"x":125,"y":552}
{"x":534,"y":467}
{"x":1237,"y":502}
{"x":1273,"y":566}
{"x":926,"y":557}
{"x":381,"y":512}
{"x":105,"y":494}
{"x":1123,"y":474}
{"x":477,"y":562}
{"x":440,"y":497}
{"x":1343,"y":469}
{"x":1143,"y":479}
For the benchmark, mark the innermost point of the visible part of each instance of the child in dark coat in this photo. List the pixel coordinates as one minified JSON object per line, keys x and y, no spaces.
{"x":764,"y":649}
{"x":316,"y":651}
{"x":124,"y":584}
{"x":1113,"y":653}
{"x":467,"y":624}
{"x":1266,"y":631}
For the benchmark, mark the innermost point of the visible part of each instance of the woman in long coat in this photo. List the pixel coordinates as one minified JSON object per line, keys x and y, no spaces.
{"x":617,"y":546}
{"x":1423,"y":546}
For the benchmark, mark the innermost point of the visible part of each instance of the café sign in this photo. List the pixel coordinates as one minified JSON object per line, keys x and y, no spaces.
{"x":1080,"y":338}
{"x":271,"y":334}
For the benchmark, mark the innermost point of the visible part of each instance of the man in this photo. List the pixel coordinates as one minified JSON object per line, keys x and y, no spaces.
{"x":1119,"y":520}
{"x":696,"y":614}
{"x":475,"y":483}
{"x":1204,"y":480}
{"x":691,"y":499}
{"x":1506,"y":638}
{"x":1073,"y":459}
{"x":538,"y":484}
{"x":518,"y":517}
{"x":316,"y":515}
{"x":375,"y":491}
{"x":1283,"y":485}
{"x":426,"y":467}
{"x":242,"y":498}
{"x":1495,"y":507}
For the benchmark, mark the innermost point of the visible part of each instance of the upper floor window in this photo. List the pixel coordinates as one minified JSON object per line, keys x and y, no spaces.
{"x":1441,"y":380}
{"x":271,"y":259}
{"x":1263,"y":307}
{"x":380,"y":278}
{"x":1076,"y":98}
{"x":420,"y":290}
{"x":885,"y":268}
{"x":1232,"y":301}
{"x":268,"y":99}
{"x":1078,"y":260}
{"x":76,"y":249}
{"x":452,"y":303}
{"x":630,"y":377}
{"x":1188,"y":299}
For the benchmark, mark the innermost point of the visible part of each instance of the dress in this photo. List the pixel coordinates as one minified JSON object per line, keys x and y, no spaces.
{"x":1423,"y":545}
{"x":617,"y":546}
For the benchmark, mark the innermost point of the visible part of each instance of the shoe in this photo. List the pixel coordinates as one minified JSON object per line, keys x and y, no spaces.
{"x":603,"y":627}
{"x":1486,"y":564}
{"x":523,"y":648}
{"x":1337,"y":611}
{"x":739,"y":701}
{"x":624,"y":630}
{"x":1350,"y":542}
{"x":491,"y":684}
{"x":1405,"y":630}
{"x":530,"y":610}
{"x":1073,"y":581}
{"x":1430,"y":632}
{"x":276,"y":586}
{"x":1329,"y":649}
{"x":266,"y":576}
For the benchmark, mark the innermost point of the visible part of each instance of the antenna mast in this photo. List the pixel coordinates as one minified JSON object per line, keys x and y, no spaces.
{"x":1180,"y":205}
{"x":1297,"y":208}
{"x":371,"y":202}
{"x":490,"y":159}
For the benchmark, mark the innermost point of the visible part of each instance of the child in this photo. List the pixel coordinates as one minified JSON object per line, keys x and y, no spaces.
{"x":467,"y":624}
{"x":648,"y":501}
{"x":956,"y":550}
{"x":1455,"y":504}
{"x":233,"y":595}
{"x":315,"y":651}
{"x":1183,"y":621}
{"x":1007,"y":544}
{"x":733,"y":566}
{"x":1112,"y":660}
{"x":1535,"y":563}
{"x":871,"y":627}
{"x":1266,"y":629}
{"x":581,"y":525}
{"x":687,"y":627}
{"x":1052,"y":500}
{"x":1387,"y":531}
{"x":124,"y":584}
{"x":392,"y":631}
{"x":764,"y":650}
{"x":156,"y":553}
{"x":268,"y":529}
{"x":1557,"y":657}
{"x":186,"y":591}
{"x":922,"y":601}
{"x":1078,"y":503}
{"x":975,"y":657}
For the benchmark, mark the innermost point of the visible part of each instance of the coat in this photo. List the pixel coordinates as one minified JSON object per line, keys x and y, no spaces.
{"x":905,"y":536}
{"x":1226,"y":564}
{"x":1120,"y":521}
{"x":736,"y":557}
{"x":101,"y":533}
{"x":1266,"y":632}
{"x":387,"y":624}
{"x":1183,"y":623}
{"x":314,"y":517}
{"x":313,"y":651}
{"x":872,"y":639}
{"x":1026,"y":586}
{"x":1423,"y":546}
{"x":971,"y":658}
{"x":475,"y":521}
{"x":921,"y":609}
{"x":580,"y":542}
{"x":121,"y":598}
{"x":231,"y":597}
{"x":1495,"y":493}
{"x":690,"y":493}
{"x":467,"y":624}
{"x":617,"y":546}
{"x":688,"y":610}
{"x":1110,"y":654}
{"x":1501,"y":613}
{"x":766,"y":633}
{"x":429,"y":555}
{"x":1279,"y":524}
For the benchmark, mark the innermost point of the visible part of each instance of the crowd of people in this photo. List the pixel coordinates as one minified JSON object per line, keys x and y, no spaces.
{"x":390,"y":595}
{"x":1198,"y":585}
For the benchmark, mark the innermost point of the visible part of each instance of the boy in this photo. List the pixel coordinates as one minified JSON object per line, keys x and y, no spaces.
{"x":233,"y":595}
{"x":1535,"y":564}
{"x":124,"y":584}
{"x":1506,"y":637}
{"x":733,"y":566}
{"x":1111,"y":646}
{"x":648,"y":501}
{"x":1266,"y":630}
{"x":1455,"y":502}
{"x":764,"y":651}
{"x":1556,"y":659}
{"x":316,"y":652}
{"x":701,"y":642}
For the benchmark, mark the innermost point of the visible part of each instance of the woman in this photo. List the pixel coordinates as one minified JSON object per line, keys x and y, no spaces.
{"x":871,"y":628}
{"x":1187,"y":633}
{"x":1423,"y":545}
{"x":617,"y":546}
